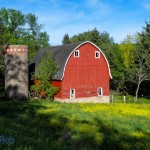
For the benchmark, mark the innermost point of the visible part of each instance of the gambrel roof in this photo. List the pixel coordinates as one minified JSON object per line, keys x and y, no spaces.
{"x":61,"y":55}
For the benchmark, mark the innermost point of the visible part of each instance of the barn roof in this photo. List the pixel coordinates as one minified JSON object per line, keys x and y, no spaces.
{"x":61,"y":55}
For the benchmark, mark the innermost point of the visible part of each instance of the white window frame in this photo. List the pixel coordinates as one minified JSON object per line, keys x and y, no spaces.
{"x":101,"y":91}
{"x":97,"y":53}
{"x":76,"y":52}
{"x":72,"y":95}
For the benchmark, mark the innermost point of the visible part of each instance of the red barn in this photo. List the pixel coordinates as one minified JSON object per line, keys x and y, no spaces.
{"x":83,"y":74}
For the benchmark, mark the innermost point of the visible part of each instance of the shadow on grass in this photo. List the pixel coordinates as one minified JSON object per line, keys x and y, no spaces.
{"x":36,"y":126}
{"x":2,"y":95}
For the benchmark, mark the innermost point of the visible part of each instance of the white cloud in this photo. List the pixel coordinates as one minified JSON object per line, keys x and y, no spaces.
{"x":146,"y":5}
{"x":98,"y":5}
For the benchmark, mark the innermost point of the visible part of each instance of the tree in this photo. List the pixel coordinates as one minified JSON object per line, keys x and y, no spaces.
{"x":116,"y":66}
{"x":127,"y":48}
{"x":94,"y":36}
{"x":33,"y":37}
{"x":19,"y":28}
{"x":43,"y":77}
{"x":140,"y":71}
{"x":66,"y":39}
{"x":46,"y":68}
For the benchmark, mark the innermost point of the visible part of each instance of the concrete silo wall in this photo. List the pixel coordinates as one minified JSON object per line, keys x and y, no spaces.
{"x":16,"y":72}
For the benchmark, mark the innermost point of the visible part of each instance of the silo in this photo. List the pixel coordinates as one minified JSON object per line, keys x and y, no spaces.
{"x":16,"y":72}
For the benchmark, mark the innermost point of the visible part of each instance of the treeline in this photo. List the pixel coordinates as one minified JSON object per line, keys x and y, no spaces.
{"x":129,"y":61}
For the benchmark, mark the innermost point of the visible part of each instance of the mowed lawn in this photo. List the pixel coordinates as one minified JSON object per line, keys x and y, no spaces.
{"x":45,"y":125}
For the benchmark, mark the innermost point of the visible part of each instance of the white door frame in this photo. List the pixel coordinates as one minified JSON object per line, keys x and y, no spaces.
{"x":100,"y":91}
{"x":72,"y":93}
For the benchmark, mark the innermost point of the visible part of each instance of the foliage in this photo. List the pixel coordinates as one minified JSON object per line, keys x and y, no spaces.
{"x":140,"y":71}
{"x":94,"y":36}
{"x":46,"y":68}
{"x":66,"y":39}
{"x":43,"y":76}
{"x":43,"y":125}
{"x":127,"y":48}
{"x":19,"y":28}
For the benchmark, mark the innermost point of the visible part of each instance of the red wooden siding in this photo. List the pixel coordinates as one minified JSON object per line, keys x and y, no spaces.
{"x":57,"y":84}
{"x":84,"y":74}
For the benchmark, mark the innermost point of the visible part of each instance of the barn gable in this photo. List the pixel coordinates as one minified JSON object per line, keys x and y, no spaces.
{"x":80,"y":44}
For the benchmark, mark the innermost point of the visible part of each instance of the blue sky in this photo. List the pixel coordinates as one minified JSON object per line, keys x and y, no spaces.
{"x":117,"y":17}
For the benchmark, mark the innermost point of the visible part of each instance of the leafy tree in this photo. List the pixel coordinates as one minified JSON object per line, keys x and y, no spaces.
{"x":117,"y":70}
{"x":100,"y":39}
{"x":127,"y":48}
{"x":45,"y":71}
{"x":19,"y":28}
{"x":140,"y":71}
{"x":33,"y":37}
{"x":93,"y":36}
{"x":66,"y":39}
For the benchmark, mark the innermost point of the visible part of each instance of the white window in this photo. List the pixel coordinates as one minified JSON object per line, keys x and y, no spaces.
{"x":72,"y":93}
{"x":100,"y":91}
{"x":97,"y":54}
{"x":76,"y":53}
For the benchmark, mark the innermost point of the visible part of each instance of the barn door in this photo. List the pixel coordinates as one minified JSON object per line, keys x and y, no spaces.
{"x":72,"y":93}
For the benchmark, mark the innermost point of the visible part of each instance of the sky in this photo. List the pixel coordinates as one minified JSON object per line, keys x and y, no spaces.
{"x":117,"y":17}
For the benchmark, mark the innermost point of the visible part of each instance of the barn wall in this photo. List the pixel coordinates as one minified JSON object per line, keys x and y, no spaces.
{"x":85,"y":74}
{"x":57,"y":84}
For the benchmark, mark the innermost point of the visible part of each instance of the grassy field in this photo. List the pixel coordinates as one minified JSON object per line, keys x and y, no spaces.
{"x":44,"y":125}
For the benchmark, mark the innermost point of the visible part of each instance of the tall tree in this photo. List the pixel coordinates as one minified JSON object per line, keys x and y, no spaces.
{"x":66,"y":39}
{"x":116,"y":66}
{"x":94,"y":36}
{"x":127,"y":48}
{"x":19,"y":28}
{"x":140,"y":71}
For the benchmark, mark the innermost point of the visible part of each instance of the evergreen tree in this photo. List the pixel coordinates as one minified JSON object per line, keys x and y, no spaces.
{"x":66,"y":39}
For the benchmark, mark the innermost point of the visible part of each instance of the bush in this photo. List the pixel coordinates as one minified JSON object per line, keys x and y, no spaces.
{"x":43,"y":90}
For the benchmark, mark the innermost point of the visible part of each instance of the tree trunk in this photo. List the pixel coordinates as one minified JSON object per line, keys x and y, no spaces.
{"x":137,"y":91}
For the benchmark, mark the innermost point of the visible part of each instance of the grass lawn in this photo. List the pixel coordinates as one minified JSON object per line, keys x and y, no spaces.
{"x":45,"y":125}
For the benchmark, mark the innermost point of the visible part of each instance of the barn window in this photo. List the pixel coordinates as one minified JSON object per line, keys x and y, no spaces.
{"x":97,"y":54}
{"x":100,"y":91}
{"x":76,"y":53}
{"x":72,"y":93}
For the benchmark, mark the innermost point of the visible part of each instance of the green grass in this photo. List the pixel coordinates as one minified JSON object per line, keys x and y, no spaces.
{"x":54,"y":126}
